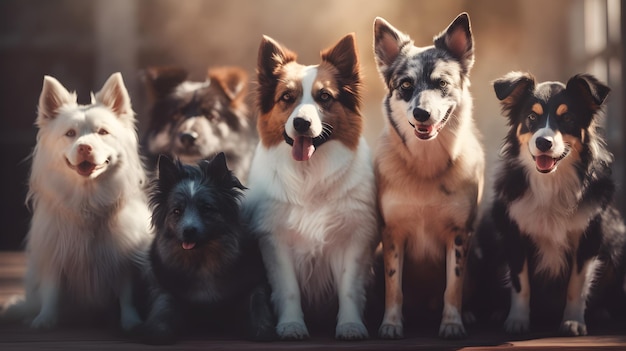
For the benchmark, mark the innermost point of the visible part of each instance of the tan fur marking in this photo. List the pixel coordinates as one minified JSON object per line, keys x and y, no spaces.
{"x":524,"y":138}
{"x":272,"y":124}
{"x":561,"y":110}
{"x":347,"y":125}
{"x":575,"y":145}
{"x":537,"y":108}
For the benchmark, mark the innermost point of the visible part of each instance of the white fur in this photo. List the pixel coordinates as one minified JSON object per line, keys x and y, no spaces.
{"x":549,"y":212}
{"x":86,"y":230}
{"x":318,"y":220}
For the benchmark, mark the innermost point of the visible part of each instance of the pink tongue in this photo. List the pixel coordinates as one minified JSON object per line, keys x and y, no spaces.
{"x":302,"y":148}
{"x":188,"y":246}
{"x":544,"y":163}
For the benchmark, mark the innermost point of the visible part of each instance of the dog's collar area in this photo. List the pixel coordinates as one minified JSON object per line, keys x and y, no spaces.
{"x":317,"y":141}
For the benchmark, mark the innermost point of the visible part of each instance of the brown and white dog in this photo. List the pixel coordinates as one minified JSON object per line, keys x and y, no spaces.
{"x":429,"y":167}
{"x":312,"y":196}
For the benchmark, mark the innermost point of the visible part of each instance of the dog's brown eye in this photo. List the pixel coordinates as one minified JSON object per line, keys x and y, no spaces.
{"x":443,"y":84}
{"x":532,"y":117}
{"x":176,"y":212}
{"x":324,"y":96}
{"x":567,"y":117}
{"x":287,"y":97}
{"x":70,"y":133}
{"x":103,"y":132}
{"x":406,"y":85}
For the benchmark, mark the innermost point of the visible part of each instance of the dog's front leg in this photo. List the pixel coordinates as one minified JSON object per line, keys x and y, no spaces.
{"x":582,"y":274}
{"x":518,"y":320}
{"x":49,"y":294}
{"x":285,"y":289}
{"x":573,"y":323}
{"x":349,"y":270}
{"x":451,"y":322}
{"x":393,"y":256}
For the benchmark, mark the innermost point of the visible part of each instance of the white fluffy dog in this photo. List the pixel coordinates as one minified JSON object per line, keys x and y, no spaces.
{"x":90,"y":215}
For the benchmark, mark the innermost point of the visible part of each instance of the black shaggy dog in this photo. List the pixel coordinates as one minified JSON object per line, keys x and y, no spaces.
{"x":561,"y":237}
{"x":205,"y":266}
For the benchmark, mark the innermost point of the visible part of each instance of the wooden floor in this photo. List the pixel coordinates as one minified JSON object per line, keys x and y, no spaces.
{"x":18,"y":337}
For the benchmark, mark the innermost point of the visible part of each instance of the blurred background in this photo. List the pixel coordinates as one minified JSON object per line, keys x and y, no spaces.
{"x":81,"y":42}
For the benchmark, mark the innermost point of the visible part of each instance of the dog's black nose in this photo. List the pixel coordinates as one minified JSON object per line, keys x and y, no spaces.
{"x":190,"y":233}
{"x":301,"y":125}
{"x":543,"y":144}
{"x":421,"y":115}
{"x":187,"y":139}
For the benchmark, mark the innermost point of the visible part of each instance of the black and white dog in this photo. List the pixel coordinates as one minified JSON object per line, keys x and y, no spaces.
{"x":553,"y":195}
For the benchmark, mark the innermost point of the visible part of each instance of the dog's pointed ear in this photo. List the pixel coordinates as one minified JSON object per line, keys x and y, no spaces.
{"x":271,"y":57}
{"x":115,"y":96}
{"x":160,"y":81}
{"x":218,"y":169}
{"x":53,"y":95}
{"x":388,"y":42}
{"x":344,"y":56}
{"x":590,"y":90}
{"x":232,"y":80}
{"x":457,"y":40}
{"x":512,"y":88}
{"x":169,"y":172}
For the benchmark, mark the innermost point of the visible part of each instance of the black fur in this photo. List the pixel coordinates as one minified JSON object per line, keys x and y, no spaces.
{"x":205,"y":266}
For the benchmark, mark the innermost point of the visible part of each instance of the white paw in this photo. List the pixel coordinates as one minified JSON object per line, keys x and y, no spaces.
{"x":391,"y":331}
{"x":292,"y":331}
{"x":351,"y":331}
{"x":573,"y":328}
{"x":452,"y":331}
{"x":515,"y":325}
{"x":44,"y":321}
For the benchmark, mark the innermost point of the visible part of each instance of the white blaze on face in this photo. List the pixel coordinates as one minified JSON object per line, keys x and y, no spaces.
{"x":553,"y":147}
{"x":307,"y":109}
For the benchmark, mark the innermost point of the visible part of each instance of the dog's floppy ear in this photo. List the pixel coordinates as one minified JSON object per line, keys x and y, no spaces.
{"x":218,"y":169}
{"x":161,"y":80}
{"x":53,"y":95}
{"x":232,"y":80}
{"x":388,"y":42}
{"x":271,"y":57}
{"x":457,"y":39}
{"x":589,"y":89}
{"x":512,"y":88}
{"x":344,"y":56}
{"x":115,"y":96}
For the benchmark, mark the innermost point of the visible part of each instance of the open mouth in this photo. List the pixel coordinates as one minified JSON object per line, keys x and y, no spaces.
{"x":303,"y":147}
{"x":427,"y":132}
{"x":86,"y":168}
{"x":188,"y":245}
{"x":547,"y":164}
